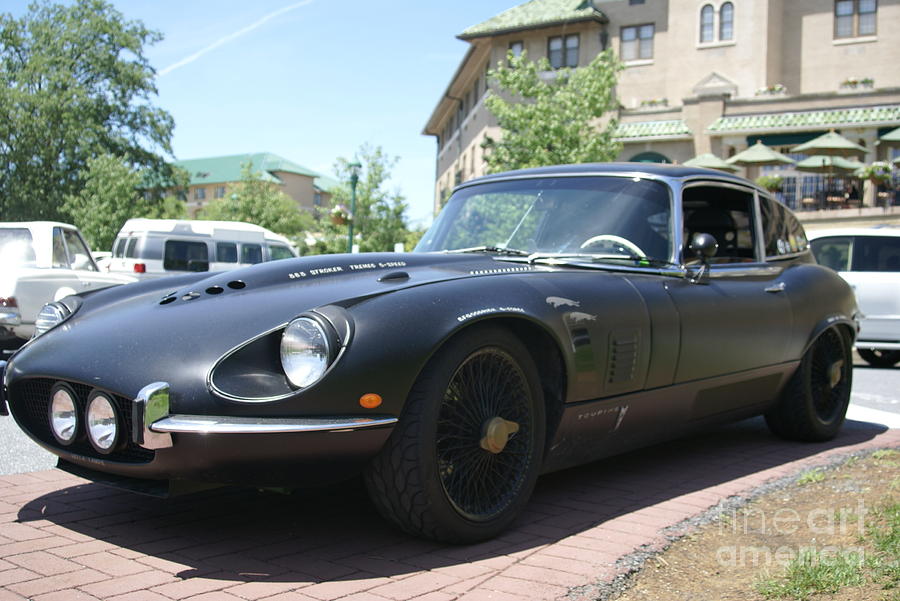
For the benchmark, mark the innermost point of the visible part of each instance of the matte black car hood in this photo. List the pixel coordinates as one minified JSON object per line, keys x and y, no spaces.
{"x":185,"y":329}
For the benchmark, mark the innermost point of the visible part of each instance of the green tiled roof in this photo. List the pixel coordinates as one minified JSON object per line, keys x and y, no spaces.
{"x":537,"y":13}
{"x":220,"y":170}
{"x":808,"y":119}
{"x":325,"y":183}
{"x":652,"y":129}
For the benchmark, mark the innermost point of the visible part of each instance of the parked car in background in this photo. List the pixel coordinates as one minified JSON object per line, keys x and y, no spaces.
{"x":869,"y":259}
{"x":151,"y":248}
{"x":549,"y":317}
{"x":40,"y":262}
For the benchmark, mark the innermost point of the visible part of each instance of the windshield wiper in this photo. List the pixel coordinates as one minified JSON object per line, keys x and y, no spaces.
{"x":598,"y":258}
{"x":500,"y":250}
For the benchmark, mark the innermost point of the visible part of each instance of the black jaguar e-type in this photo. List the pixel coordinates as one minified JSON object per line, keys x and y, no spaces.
{"x":549,"y":317}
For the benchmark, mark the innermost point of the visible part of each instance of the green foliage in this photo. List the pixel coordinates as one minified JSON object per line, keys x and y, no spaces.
{"x":811,"y":477}
{"x":74,"y":84}
{"x":884,"y":531}
{"x":255,"y":200}
{"x":379,"y":217}
{"x":772,"y":183}
{"x":812,"y":572}
{"x":878,"y":172}
{"x":111,"y":195}
{"x":552,"y":117}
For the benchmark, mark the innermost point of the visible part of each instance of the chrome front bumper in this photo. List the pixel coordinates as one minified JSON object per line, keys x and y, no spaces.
{"x":153,"y":426}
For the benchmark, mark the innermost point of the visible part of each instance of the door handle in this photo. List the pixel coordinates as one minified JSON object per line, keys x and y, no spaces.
{"x":779,"y":287}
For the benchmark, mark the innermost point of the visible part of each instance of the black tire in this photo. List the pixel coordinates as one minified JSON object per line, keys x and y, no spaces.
{"x":814,"y":402}
{"x":879,"y":358}
{"x":433,"y":478}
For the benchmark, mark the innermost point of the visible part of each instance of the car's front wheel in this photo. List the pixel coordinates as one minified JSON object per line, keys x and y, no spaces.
{"x":465,"y":455}
{"x":814,"y":402}
{"x":879,"y":358}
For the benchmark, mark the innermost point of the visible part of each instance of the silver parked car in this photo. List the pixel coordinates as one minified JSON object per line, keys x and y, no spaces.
{"x":869,"y":259}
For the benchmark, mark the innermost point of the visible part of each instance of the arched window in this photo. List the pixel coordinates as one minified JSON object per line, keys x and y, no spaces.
{"x":707,"y":14}
{"x":726,"y":22}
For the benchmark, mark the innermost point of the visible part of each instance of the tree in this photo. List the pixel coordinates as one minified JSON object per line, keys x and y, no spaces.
{"x":552,"y":117}
{"x":258,"y":201}
{"x":74,"y":84}
{"x":379,"y":220}
{"x":113,"y":192}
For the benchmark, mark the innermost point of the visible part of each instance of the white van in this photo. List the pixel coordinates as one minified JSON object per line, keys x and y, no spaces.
{"x":152,"y":248}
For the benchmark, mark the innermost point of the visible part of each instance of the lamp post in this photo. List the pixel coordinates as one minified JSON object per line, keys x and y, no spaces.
{"x":354,"y":179}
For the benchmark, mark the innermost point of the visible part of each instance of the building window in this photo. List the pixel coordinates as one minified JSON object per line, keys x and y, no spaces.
{"x":517,"y":48}
{"x":220,"y":192}
{"x":707,"y":25}
{"x":854,"y":18}
{"x":199,"y":193}
{"x":726,"y":22}
{"x":563,"y":51}
{"x":317,"y":199}
{"x":633,"y":2}
{"x":637,"y":42}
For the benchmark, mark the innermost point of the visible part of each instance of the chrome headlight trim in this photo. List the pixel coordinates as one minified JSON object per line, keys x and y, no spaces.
{"x":55,"y":313}
{"x":63,"y":414}
{"x":306,"y":351}
{"x":102,"y":422}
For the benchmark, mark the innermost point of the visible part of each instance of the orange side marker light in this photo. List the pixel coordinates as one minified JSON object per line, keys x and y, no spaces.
{"x":370,"y":401}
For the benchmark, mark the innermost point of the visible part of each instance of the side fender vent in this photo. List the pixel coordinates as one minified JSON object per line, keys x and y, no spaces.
{"x":624,"y":349}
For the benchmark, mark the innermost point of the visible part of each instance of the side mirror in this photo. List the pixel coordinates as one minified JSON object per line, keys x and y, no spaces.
{"x":704,"y":246}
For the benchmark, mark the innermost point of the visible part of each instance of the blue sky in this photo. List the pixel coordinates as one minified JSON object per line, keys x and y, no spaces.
{"x":310,"y":80}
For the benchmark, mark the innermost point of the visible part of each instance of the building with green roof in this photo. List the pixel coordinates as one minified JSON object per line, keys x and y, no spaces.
{"x":700,"y":76}
{"x":210,"y":178}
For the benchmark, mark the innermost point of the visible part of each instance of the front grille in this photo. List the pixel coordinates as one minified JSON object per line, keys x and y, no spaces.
{"x":30,"y":402}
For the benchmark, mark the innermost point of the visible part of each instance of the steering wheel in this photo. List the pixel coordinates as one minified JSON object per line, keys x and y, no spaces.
{"x":628,"y":245}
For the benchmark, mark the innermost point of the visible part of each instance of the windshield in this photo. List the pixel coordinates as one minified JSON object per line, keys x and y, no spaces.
{"x":16,"y":248}
{"x":595,"y":217}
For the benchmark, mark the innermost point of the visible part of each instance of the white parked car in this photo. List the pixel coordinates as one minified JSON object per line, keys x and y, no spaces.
{"x":152,"y":248}
{"x":869,"y":259}
{"x":40,"y":262}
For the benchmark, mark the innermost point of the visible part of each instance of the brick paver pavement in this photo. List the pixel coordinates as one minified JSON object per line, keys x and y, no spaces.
{"x":63,"y":538}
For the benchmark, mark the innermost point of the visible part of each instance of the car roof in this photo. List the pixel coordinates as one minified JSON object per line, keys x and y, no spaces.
{"x":34,"y":224}
{"x":657,"y":169}
{"x":875,"y":230}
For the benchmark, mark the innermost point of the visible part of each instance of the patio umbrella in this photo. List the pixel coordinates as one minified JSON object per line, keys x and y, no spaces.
{"x":759,"y":155}
{"x":891,"y":138}
{"x":827,"y":164}
{"x":710,"y":161}
{"x":833,"y":144}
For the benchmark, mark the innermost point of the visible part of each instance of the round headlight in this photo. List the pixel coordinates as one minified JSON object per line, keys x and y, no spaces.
{"x":63,"y":414}
{"x":51,"y":315}
{"x":305,"y":352}
{"x":102,"y":422}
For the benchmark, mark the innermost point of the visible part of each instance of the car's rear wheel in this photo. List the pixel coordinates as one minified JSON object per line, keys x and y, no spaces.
{"x":464,"y":457}
{"x":879,"y":358}
{"x":814,"y":402}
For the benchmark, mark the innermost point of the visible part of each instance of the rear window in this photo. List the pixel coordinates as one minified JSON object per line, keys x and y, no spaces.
{"x":186,"y":256}
{"x":876,"y":253}
{"x":251,"y":253}
{"x":276,"y":252}
{"x":16,"y":247}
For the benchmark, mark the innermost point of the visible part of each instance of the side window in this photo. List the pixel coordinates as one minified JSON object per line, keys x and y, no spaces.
{"x":724,"y":213}
{"x":60,"y":258}
{"x":251,"y":253}
{"x":833,"y":252}
{"x":226,"y":252}
{"x":797,"y":235}
{"x":78,"y":251}
{"x":277,"y":251}
{"x":782,"y":232}
{"x":876,"y":253}
{"x":118,"y":248}
{"x":185,"y":256}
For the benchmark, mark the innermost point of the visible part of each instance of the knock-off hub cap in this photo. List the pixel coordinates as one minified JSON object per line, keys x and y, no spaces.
{"x":495,"y":434}
{"x":836,"y":373}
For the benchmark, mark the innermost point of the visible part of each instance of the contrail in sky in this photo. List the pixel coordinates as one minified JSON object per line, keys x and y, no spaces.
{"x":232,"y":36}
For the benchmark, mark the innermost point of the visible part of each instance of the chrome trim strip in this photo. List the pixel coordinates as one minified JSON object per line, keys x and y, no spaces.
{"x":211,"y":424}
{"x":150,"y":405}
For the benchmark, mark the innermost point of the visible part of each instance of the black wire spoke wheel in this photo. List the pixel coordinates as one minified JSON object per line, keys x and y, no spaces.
{"x":483,"y":437}
{"x":829,"y":379}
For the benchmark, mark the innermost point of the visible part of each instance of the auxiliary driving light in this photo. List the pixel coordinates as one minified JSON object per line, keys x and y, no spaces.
{"x":102,"y":422}
{"x":63,"y":414}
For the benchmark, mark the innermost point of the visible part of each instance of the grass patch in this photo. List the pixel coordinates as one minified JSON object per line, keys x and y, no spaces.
{"x":812,"y":572}
{"x":811,"y":477}
{"x":884,"y":533}
{"x":886,"y":454}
